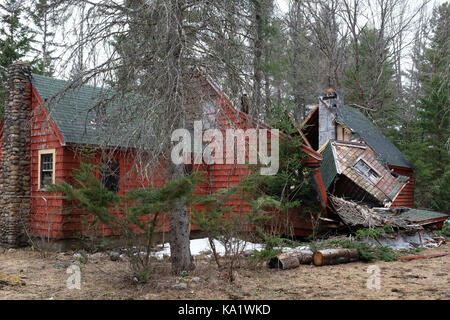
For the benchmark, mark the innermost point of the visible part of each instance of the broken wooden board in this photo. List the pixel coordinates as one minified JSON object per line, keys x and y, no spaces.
{"x":428,"y":256}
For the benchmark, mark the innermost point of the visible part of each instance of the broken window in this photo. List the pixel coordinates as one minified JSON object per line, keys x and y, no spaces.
{"x":342,"y":133}
{"x":339,"y":132}
{"x":111,"y":175}
{"x":364,"y":169}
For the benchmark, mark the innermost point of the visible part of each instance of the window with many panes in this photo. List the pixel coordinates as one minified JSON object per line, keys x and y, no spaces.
{"x":46,"y":168}
{"x":364,"y":169}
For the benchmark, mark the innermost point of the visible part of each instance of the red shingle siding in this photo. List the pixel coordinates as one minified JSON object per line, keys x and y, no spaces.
{"x":46,"y":208}
{"x":53,"y":217}
{"x":406,"y":196}
{"x":1,"y":141}
{"x":226,"y":175}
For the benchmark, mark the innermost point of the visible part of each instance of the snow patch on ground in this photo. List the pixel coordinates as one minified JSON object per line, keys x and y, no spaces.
{"x":399,"y":241}
{"x":201,"y":246}
{"x":403,"y":240}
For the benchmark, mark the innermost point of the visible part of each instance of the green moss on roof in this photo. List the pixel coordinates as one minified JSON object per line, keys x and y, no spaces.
{"x":417,"y":215}
{"x":359,"y":124}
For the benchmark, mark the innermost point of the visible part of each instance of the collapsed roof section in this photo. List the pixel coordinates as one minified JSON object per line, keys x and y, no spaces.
{"x":360,"y":216}
{"x":363,"y":172}
{"x":353,"y":170}
{"x":331,"y":119}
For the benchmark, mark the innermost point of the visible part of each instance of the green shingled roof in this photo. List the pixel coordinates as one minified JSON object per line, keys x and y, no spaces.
{"x":328,"y":166}
{"x":416,"y":215}
{"x":74,"y":114}
{"x":358,"y":123}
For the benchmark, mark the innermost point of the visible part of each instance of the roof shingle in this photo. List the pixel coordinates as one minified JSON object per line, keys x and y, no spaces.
{"x":75,"y":114}
{"x":386,"y":150}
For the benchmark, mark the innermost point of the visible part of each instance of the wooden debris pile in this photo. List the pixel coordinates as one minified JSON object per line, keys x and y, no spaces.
{"x":361,"y":216}
{"x":357,"y":216}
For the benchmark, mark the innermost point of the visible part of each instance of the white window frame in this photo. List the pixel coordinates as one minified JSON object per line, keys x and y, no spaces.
{"x":380,"y":176}
{"x":43,"y":152}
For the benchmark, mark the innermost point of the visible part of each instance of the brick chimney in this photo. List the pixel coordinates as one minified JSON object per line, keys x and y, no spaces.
{"x":15,"y":166}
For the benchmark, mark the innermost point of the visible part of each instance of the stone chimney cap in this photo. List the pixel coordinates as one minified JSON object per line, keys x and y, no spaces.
{"x":333,"y":100}
{"x":330,"y":94}
{"x":20,"y":67}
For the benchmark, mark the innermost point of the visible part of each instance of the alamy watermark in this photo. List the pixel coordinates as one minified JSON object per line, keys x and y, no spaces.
{"x":374,"y":280}
{"x":231,"y":150}
{"x":74,"y":280}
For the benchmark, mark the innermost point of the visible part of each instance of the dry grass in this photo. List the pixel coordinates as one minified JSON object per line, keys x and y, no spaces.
{"x":45,"y":278}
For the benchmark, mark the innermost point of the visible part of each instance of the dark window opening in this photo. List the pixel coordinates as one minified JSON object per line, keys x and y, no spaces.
{"x":111,"y":175}
{"x":46,"y":170}
{"x":188,"y":169}
{"x":345,"y":188}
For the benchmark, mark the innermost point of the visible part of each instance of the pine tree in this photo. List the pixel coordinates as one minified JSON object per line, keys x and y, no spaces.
{"x":16,"y":40}
{"x":375,"y":90}
{"x":429,"y":143}
{"x":45,"y":21}
{"x":136,"y":216}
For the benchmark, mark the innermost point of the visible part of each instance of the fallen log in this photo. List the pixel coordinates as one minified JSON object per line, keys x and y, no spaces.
{"x":284,"y":261}
{"x":424,"y":257}
{"x":305,"y":256}
{"x":290,"y":260}
{"x":335,"y":256}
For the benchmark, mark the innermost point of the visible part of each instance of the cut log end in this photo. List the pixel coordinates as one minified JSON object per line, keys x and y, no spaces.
{"x":335,"y":256}
{"x":318,"y":258}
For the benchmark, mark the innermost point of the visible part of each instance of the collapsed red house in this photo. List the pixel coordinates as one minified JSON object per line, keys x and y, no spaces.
{"x":361,"y":165}
{"x":39,"y":144}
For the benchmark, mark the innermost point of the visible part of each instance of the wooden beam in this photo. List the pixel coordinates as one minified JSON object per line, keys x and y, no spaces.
{"x":309,"y":116}
{"x":299,"y":130}
{"x":424,"y":257}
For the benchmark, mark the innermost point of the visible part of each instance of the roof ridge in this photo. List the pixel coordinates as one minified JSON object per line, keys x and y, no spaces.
{"x":371,"y":137}
{"x":68,"y":82}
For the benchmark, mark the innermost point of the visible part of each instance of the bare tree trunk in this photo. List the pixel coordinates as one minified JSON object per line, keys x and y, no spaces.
{"x":257,"y":62}
{"x":180,"y":252}
{"x":351,"y":14}
{"x":267,"y":90}
{"x":179,"y":223}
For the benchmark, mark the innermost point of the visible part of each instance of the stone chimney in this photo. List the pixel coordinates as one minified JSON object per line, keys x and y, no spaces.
{"x":330,"y":106}
{"x":15,"y":166}
{"x":333,"y":100}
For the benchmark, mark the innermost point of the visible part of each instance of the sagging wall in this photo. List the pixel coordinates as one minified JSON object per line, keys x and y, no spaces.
{"x":15,"y":179}
{"x":406,"y":196}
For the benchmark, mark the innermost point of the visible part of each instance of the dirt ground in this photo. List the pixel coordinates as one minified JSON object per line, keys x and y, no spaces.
{"x":35,"y":276}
